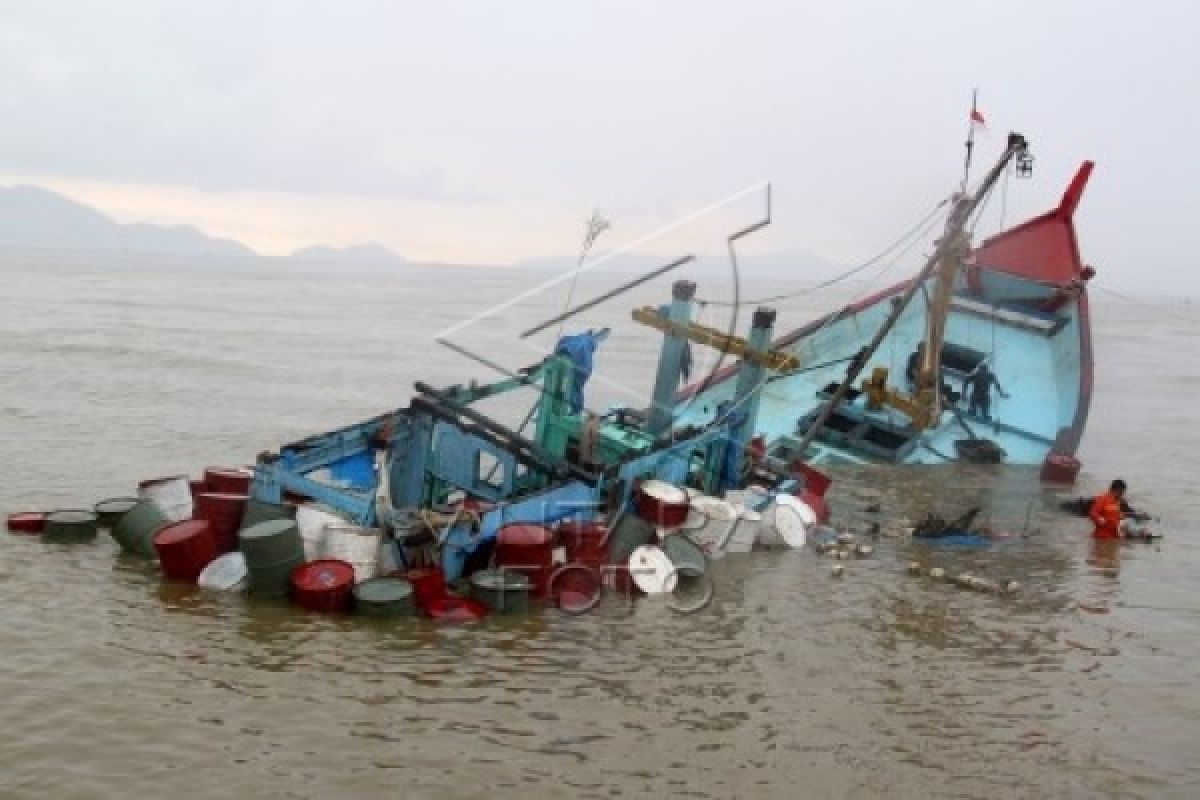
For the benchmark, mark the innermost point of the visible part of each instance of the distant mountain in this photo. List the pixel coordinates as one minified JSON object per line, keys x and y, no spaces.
{"x":34,"y":217}
{"x":371,"y":254}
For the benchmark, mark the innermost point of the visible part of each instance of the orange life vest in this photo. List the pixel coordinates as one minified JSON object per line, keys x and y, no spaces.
{"x":1106,"y":516}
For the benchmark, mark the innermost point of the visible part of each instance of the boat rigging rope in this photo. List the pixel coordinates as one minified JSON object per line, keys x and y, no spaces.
{"x":911,"y":233}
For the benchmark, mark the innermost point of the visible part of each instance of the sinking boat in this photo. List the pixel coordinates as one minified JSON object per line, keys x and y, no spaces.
{"x":1014,"y":307}
{"x":1017,"y":305}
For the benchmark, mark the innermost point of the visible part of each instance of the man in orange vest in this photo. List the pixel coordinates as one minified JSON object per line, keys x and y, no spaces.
{"x":1106,"y":511}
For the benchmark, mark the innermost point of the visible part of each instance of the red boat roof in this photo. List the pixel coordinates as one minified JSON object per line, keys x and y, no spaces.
{"x":1044,"y":249}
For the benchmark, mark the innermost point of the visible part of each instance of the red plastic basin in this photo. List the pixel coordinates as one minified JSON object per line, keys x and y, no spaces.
{"x":451,"y":609}
{"x":324,"y":585}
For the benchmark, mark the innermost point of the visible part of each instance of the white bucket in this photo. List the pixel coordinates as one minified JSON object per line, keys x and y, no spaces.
{"x":226,"y":573}
{"x":357,"y":546}
{"x":792,"y":519}
{"x":652,"y":570}
{"x":710,"y":521}
{"x":173,"y":496}
{"x":312,"y":519}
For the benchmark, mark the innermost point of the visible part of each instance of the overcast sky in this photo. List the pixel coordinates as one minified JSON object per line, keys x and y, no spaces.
{"x":487,"y":131}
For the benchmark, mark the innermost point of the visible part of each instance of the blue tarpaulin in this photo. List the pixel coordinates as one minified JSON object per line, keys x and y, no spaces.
{"x":580,"y":348}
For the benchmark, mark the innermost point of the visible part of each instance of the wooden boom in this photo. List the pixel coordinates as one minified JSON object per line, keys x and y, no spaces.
{"x":712,"y":337}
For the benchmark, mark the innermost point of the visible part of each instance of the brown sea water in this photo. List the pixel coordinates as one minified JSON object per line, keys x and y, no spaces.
{"x":792,"y":684}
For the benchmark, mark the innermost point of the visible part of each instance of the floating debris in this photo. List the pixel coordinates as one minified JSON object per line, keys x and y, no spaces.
{"x":837,"y":570}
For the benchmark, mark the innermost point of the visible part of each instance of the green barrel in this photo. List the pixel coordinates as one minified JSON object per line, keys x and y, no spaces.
{"x":110,"y":510}
{"x":384,"y":597}
{"x":260,"y":511}
{"x":272,"y":579}
{"x":134,"y":530}
{"x":503,"y":591}
{"x":68,"y":527}
{"x":690,"y":563}
{"x":630,"y":533}
{"x":272,"y":541}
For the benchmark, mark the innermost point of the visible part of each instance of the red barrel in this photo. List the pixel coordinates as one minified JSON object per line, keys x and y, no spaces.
{"x":27,"y":522}
{"x":661,"y":503}
{"x":324,"y":585}
{"x":429,"y":585}
{"x":224,"y":513}
{"x":577,"y":587}
{"x":528,"y":549}
{"x":586,"y":542}
{"x":185,"y":549}
{"x":223,"y":480}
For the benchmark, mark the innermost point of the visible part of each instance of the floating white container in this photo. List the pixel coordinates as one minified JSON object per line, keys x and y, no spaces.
{"x":652,"y":570}
{"x":226,"y":573}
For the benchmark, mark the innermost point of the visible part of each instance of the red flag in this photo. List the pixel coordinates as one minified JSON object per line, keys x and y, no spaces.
{"x":977,"y":117}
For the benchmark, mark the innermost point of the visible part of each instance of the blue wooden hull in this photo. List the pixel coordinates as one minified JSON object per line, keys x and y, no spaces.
{"x":1042,"y":359}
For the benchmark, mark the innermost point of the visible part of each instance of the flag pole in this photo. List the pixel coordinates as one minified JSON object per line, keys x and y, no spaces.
{"x":970,"y":138}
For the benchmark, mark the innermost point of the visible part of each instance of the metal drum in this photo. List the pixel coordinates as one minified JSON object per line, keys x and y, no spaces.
{"x":69,"y":527}
{"x":272,"y":541}
{"x":325,"y":585}
{"x":660,"y":503}
{"x":224,"y":513}
{"x":135,"y":529}
{"x":528,"y":549}
{"x":630,"y":532}
{"x":503,"y":591}
{"x":27,"y":522}
{"x":585,"y":542}
{"x":689,"y":563}
{"x":384,"y":597}
{"x":185,"y":549}
{"x":110,"y":510}
{"x":260,"y":511}
{"x":228,"y":481}
{"x":271,"y":579}
{"x":173,"y":495}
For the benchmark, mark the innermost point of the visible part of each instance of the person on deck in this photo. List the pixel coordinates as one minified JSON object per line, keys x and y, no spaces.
{"x":1106,"y":512}
{"x":913,"y":368}
{"x":978,"y":387}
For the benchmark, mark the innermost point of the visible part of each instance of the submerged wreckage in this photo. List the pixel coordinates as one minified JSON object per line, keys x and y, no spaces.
{"x":389,"y":512}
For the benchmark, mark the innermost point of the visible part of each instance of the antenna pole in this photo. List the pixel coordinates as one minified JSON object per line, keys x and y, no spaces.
{"x":970,"y":139}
